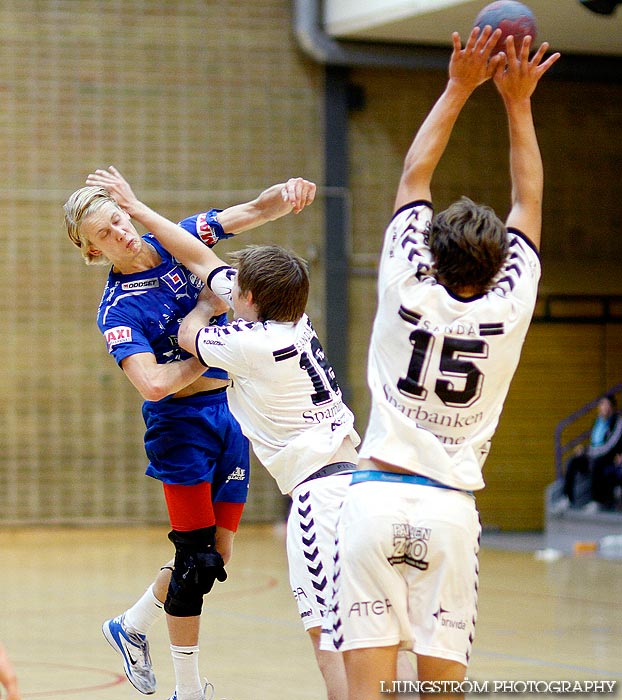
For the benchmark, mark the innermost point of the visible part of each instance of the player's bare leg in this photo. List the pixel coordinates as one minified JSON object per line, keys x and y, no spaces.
{"x":405,"y":669}
{"x":331,"y":667}
{"x":431,"y":668}
{"x":162,"y":580}
{"x":184,"y":633}
{"x":369,"y":670}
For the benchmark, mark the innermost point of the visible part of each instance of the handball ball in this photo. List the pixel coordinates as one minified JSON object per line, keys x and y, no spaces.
{"x":513,"y":18}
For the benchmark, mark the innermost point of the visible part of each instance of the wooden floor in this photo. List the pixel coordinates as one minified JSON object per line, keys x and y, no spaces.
{"x":555,"y":620}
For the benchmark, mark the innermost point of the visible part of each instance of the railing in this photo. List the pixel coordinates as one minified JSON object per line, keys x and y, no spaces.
{"x":561,"y":447}
{"x":578,"y":308}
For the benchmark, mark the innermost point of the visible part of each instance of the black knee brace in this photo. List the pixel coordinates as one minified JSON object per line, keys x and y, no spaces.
{"x":197,"y":566}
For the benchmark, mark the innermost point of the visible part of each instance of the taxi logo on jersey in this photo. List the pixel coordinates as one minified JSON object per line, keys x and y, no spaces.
{"x":140,"y":284}
{"x":117,"y":335}
{"x":206,"y":232}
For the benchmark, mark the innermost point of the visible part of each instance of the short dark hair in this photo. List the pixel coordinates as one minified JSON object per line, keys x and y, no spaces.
{"x":277,"y":278}
{"x":469,"y":244}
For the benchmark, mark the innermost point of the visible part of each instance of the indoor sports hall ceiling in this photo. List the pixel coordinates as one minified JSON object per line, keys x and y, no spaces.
{"x":566,"y":24}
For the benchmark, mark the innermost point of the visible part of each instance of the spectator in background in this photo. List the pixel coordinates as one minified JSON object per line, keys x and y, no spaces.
{"x":605,"y":457}
{"x":598,"y":460}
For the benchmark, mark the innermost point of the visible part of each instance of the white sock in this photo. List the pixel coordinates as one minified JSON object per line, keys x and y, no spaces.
{"x":187,"y":679}
{"x":144,"y":613}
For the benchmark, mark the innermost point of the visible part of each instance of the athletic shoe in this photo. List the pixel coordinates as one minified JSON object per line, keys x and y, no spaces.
{"x":134,"y":650}
{"x":561,"y":505}
{"x":208,"y":687}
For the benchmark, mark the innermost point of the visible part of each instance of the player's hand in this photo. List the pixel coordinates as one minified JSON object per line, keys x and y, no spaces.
{"x":210,"y":304}
{"x":299,"y":193}
{"x":118,"y":187}
{"x":472,"y":65}
{"x":516,"y":78}
{"x":285,"y":197}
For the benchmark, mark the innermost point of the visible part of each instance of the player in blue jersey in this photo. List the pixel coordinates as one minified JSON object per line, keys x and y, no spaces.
{"x":194,"y":445}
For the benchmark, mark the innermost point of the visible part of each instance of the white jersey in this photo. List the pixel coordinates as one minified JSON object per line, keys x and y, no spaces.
{"x":284,"y":394}
{"x":440,"y":366}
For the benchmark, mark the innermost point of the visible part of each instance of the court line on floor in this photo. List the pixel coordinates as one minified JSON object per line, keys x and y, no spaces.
{"x":61,"y":692}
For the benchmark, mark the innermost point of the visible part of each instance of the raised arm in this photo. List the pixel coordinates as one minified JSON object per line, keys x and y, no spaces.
{"x":468,"y":68}
{"x":273,"y":203}
{"x":516,"y":83}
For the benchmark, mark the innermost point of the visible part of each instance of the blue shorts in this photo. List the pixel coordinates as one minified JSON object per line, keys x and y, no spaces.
{"x":196,"y":439}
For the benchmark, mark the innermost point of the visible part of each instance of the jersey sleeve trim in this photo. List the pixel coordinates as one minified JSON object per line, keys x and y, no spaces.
{"x":525,"y":238}
{"x":214,"y":272}
{"x":412,"y":205}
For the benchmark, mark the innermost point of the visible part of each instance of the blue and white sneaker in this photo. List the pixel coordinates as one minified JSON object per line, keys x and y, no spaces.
{"x":208,"y":688}
{"x":134,"y":650}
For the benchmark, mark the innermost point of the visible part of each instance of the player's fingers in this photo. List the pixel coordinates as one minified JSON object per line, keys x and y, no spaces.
{"x":491,"y":41}
{"x":525,"y":48}
{"x":456,"y":41}
{"x":496,"y":65}
{"x":539,"y":54}
{"x":543,"y":67}
{"x":472,"y":40}
{"x":510,"y":49}
{"x":297,"y":192}
{"x":94,"y":178}
{"x":289,"y":192}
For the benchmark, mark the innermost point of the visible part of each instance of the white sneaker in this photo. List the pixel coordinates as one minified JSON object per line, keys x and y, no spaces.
{"x":134,"y":650}
{"x":559,"y":506}
{"x":208,"y":687}
{"x":591,"y":507}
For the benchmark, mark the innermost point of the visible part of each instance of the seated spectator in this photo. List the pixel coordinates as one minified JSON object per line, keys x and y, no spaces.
{"x":605,"y":462}
{"x":598,"y":460}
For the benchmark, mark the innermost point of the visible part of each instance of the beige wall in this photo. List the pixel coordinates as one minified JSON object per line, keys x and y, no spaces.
{"x":204,"y":103}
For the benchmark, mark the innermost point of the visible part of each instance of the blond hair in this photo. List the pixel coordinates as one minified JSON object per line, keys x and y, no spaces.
{"x":79,"y":206}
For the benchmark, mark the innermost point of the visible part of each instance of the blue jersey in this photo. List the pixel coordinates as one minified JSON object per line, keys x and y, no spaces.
{"x":141,"y":312}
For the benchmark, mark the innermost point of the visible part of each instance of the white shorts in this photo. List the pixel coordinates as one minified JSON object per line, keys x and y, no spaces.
{"x":406,"y":570}
{"x":311,"y":531}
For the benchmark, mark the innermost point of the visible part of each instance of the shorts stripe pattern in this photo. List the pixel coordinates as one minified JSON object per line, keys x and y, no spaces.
{"x":476,"y":607}
{"x":311,"y":531}
{"x":332,"y":631}
{"x":310,"y":549}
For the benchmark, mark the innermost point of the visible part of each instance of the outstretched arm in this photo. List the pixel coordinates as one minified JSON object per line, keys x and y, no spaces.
{"x":271,"y":204}
{"x":516,"y":83}
{"x":468,"y":68}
